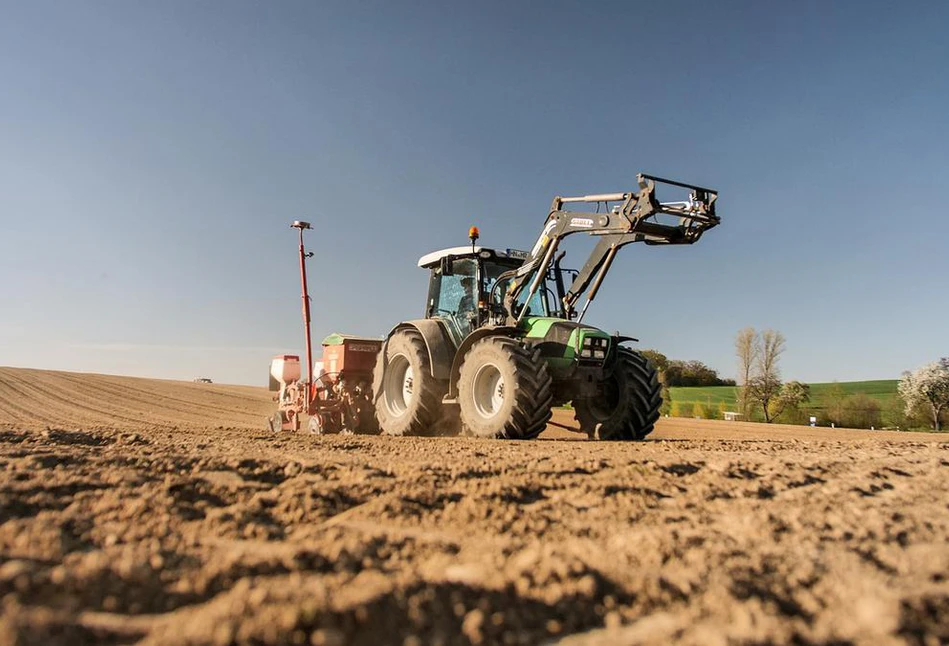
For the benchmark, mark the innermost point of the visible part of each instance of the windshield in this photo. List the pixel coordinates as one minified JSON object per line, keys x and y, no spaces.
{"x":493,"y":271}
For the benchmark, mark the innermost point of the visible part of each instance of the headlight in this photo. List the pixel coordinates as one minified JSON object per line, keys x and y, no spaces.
{"x":594,"y":347}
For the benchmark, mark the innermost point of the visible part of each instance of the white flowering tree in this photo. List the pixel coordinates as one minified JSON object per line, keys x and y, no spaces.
{"x":928,"y":387}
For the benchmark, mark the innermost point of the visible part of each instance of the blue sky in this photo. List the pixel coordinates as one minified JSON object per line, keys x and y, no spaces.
{"x":153,"y":154}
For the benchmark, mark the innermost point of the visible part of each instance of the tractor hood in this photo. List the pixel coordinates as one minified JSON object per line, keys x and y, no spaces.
{"x":565,"y":340}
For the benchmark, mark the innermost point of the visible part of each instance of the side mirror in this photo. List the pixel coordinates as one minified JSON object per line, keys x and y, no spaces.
{"x":446,"y":266}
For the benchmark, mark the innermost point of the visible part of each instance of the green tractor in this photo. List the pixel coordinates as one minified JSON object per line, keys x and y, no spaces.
{"x":502,"y":340}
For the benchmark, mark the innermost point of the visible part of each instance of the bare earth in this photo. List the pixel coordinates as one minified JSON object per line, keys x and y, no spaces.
{"x":162,"y":512}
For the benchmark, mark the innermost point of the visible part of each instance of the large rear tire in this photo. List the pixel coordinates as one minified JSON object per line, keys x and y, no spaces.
{"x":408,"y":400}
{"x":628,"y":403}
{"x":504,"y":390}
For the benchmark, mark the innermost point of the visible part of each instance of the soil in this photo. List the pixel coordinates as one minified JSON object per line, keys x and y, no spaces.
{"x":161,"y":512}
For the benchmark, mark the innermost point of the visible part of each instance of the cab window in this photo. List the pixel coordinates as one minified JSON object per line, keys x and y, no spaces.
{"x":493,"y":270}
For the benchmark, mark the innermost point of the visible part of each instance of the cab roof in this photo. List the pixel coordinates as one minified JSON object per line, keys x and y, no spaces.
{"x":433,"y":258}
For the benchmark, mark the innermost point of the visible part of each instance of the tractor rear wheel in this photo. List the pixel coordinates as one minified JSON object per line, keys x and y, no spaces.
{"x":407,"y":397}
{"x":628,"y":403}
{"x":504,"y":390}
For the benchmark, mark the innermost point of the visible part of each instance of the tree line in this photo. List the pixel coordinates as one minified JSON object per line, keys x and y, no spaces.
{"x":761,"y":393}
{"x":675,"y":373}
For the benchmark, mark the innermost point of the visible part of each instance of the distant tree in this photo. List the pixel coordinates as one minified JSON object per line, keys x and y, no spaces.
{"x":747,"y":349}
{"x":772,"y":347}
{"x":860,"y":411}
{"x":699,"y":410}
{"x":681,"y":409}
{"x":894,"y":415}
{"x":722,"y":409}
{"x":793,"y":394}
{"x":761,"y":377}
{"x":776,"y":398}
{"x":763,"y":390}
{"x":833,"y":400}
{"x":793,"y":413}
{"x":666,"y":407}
{"x":927,"y":386}
{"x":657,"y":358}
{"x":673,"y":374}
{"x":687,"y":374}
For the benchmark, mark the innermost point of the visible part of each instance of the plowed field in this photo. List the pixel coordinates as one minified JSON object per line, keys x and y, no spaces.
{"x":161,"y":512}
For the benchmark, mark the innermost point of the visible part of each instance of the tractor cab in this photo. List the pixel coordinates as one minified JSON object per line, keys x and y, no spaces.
{"x":467,"y":286}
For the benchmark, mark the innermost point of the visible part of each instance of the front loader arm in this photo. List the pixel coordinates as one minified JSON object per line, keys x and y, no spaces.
{"x":637,"y":217}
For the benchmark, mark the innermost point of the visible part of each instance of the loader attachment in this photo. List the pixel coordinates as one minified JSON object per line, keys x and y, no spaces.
{"x":637,"y":216}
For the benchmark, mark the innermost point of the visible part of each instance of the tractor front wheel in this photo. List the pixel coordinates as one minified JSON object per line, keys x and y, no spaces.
{"x":504,"y":390}
{"x":628,"y":402}
{"x":408,"y":398}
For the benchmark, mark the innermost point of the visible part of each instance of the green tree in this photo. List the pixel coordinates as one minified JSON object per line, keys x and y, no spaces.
{"x":699,"y":410}
{"x":666,"y":408}
{"x":657,"y":358}
{"x":787,"y":406}
{"x":832,"y":400}
{"x":860,"y":411}
{"x":681,"y":409}
{"x":688,"y":374}
{"x":894,"y":415}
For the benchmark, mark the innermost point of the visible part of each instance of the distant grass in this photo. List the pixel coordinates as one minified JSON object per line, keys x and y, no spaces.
{"x":708,"y":395}
{"x":882,"y":390}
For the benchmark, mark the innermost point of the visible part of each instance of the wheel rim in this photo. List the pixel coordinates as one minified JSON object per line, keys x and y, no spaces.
{"x":488,"y":391}
{"x":399,"y":385}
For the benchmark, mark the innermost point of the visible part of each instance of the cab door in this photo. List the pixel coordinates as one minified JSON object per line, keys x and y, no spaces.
{"x":453,"y":296}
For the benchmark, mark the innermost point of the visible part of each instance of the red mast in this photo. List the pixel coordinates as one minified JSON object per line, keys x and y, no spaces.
{"x":299,"y":224}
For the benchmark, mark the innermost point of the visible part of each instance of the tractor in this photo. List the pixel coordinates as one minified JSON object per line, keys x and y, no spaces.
{"x":502,"y":340}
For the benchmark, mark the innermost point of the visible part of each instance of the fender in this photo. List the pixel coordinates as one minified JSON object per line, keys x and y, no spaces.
{"x":470,"y":340}
{"x":440,"y":347}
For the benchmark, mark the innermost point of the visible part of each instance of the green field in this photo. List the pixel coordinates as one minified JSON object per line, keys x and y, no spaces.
{"x":883,"y":391}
